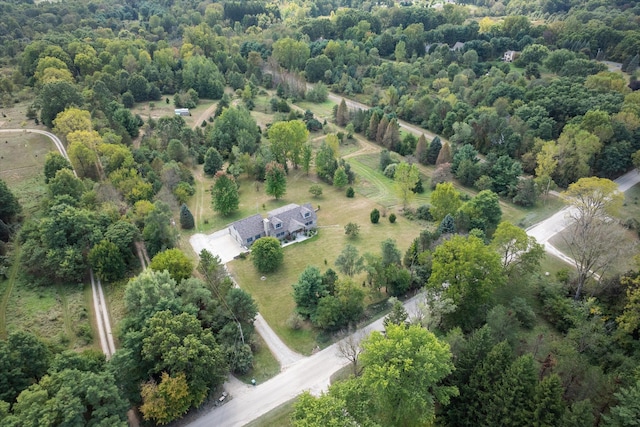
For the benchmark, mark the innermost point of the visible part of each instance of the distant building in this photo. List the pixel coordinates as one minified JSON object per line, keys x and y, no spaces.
{"x":458,"y":46}
{"x":282,"y":223}
{"x":509,"y":56}
{"x":182,"y":112}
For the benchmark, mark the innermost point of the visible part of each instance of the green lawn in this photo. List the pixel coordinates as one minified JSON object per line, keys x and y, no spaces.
{"x":336,"y":210}
{"x":280,"y":416}
{"x":631,"y":206}
{"x":265,"y":365}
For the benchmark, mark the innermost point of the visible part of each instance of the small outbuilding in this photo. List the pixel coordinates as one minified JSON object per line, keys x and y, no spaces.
{"x":182,"y":112}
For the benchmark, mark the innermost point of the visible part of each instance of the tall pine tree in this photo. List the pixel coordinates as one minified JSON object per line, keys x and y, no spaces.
{"x":433,"y":151}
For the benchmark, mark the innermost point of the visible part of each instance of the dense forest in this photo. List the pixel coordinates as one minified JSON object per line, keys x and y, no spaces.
{"x":513,"y":99}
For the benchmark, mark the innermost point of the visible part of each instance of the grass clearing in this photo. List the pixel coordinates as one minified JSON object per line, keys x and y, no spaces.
{"x":631,"y":205}
{"x":321,"y":111}
{"x":265,"y":365}
{"x":280,"y":416}
{"x":622,"y":264}
{"x":273,"y":294}
{"x":22,"y":157}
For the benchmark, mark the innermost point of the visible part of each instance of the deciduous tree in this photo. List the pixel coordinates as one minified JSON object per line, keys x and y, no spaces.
{"x":406,"y":177}
{"x":224,"y":194}
{"x":349,"y":261}
{"x":175,"y":262}
{"x":467,"y":271}
{"x":275,"y":180}
{"x":445,"y":200}
{"x":403,"y":370}
{"x":594,"y":240}
{"x":267,"y":254}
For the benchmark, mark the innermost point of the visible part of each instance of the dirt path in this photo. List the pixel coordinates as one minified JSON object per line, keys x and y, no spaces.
{"x":204,"y":116}
{"x":6,"y":295}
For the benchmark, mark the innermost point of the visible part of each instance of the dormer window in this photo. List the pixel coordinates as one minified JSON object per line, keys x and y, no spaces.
{"x":279,"y":225}
{"x":307,"y":214}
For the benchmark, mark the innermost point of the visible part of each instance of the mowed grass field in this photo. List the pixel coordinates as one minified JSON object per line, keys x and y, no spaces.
{"x":335,"y":210}
{"x":59,"y":314}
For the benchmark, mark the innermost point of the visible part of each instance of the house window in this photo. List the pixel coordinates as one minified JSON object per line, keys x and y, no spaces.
{"x":279,"y":225}
{"x":257,"y":237}
{"x":308,"y":223}
{"x":250,"y":239}
{"x":306,"y":214}
{"x":280,"y":234}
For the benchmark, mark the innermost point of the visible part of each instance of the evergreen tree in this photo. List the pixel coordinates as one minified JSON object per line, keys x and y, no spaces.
{"x":340,"y":178}
{"x":422,"y":150}
{"x":447,"y":225}
{"x":382,"y":129}
{"x":444,"y":156}
{"x":433,"y":151}
{"x":372,"y":130}
{"x":398,"y":314}
{"x":342,"y":114}
{"x":186,"y":218}
{"x":391,"y":138}
{"x":548,"y":404}
{"x":511,"y":401}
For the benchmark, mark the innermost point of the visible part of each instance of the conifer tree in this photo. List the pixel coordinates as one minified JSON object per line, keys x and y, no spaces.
{"x":433,"y":151}
{"x":372,"y":131}
{"x":422,"y":150}
{"x":382,"y":129}
{"x":186,"y":218}
{"x":342,"y":114}
{"x":445,"y":154}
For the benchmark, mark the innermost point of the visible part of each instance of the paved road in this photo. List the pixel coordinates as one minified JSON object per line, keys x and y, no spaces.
{"x":545,"y":230}
{"x":312,"y":373}
{"x":99,"y":302}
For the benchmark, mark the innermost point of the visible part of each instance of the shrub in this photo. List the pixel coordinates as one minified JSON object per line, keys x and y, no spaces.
{"x":390,"y":171}
{"x":392,"y":218}
{"x":316,"y":190}
{"x":424,"y":213}
{"x":352,"y":229}
{"x":295,"y":321}
{"x":374,"y":216}
{"x":524,"y":312}
{"x":350,"y":192}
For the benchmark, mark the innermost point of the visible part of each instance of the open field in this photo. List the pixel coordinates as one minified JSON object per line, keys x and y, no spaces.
{"x":58,"y":314}
{"x":22,"y":157}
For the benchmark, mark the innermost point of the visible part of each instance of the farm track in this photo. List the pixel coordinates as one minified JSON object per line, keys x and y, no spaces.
{"x":101,"y":310}
{"x":6,"y":295}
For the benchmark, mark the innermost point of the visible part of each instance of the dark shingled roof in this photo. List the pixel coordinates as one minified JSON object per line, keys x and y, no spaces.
{"x":249,"y":227}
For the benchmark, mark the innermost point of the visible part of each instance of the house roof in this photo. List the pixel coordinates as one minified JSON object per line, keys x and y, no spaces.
{"x":249,"y":227}
{"x":458,"y":46}
{"x":291,"y":216}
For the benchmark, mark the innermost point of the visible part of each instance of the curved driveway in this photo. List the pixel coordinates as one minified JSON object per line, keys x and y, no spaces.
{"x":99,"y":301}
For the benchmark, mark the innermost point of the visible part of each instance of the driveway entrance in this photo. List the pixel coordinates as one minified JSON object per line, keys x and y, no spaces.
{"x":219,"y":243}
